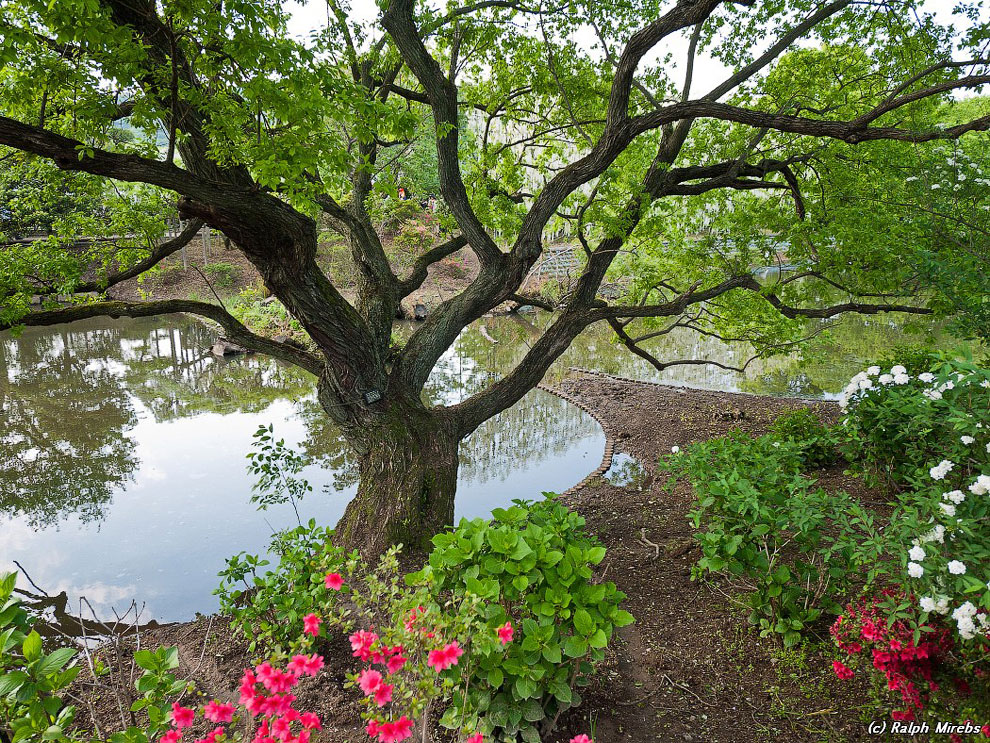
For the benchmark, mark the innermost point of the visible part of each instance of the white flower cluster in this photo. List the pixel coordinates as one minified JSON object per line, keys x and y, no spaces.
{"x":938,"y":605}
{"x":927,"y":561}
{"x":940,"y":470}
{"x":863,"y":381}
{"x":967,"y":618}
{"x":981,"y":486}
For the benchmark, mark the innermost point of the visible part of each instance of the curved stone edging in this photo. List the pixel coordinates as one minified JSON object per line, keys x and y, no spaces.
{"x":651,"y":383}
{"x":609,"y":441}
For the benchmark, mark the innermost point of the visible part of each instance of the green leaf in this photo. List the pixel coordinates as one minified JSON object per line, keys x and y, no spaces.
{"x":32,"y":646}
{"x":575,"y":646}
{"x":11,"y":681}
{"x":621,"y":618}
{"x":583,"y":622}
{"x":54,"y":661}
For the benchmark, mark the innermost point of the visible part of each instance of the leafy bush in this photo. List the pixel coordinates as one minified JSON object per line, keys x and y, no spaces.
{"x":944,"y":462}
{"x":914,"y":664}
{"x":268,"y":318}
{"x":533,"y":565}
{"x":898,"y":425}
{"x":817,"y":442}
{"x":798,"y":547}
{"x":528,"y":572}
{"x":30,"y":679}
{"x":391,"y":213}
{"x":928,"y":433}
{"x":266,"y":607}
{"x":222,"y":274}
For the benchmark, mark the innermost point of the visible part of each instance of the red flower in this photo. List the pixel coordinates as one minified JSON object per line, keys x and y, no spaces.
{"x":369,"y":680}
{"x":841,"y":670}
{"x":311,"y":624}
{"x":305,"y":665}
{"x":182,"y":717}
{"x":334,"y":581}
{"x":395,"y":663}
{"x":442,"y":659}
{"x":383,"y":694}
{"x":505,"y":633}
{"x":216,"y":712}
{"x":310,"y":721}
{"x":393,"y":732}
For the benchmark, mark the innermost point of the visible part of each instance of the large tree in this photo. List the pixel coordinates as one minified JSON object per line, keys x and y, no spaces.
{"x":542,"y":114}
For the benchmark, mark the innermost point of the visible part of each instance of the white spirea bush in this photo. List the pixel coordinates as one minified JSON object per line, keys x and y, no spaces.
{"x":929,"y":436}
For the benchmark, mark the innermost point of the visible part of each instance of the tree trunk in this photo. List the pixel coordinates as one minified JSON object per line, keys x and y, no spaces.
{"x":408,"y":465}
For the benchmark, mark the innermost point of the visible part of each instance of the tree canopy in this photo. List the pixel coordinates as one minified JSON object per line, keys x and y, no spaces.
{"x":823,"y":107}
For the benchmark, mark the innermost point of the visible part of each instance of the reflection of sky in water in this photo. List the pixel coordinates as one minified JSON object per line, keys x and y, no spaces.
{"x":122,"y":444}
{"x":176,"y":503}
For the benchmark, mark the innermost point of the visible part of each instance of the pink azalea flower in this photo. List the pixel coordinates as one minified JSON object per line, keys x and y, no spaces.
{"x":372,"y":728}
{"x":443,"y":659}
{"x":306,"y":665}
{"x":216,"y":712}
{"x":582,"y":738}
{"x":476,"y":738}
{"x":311,"y":624}
{"x":393,"y":732}
{"x":383,"y":694}
{"x":172,"y":736}
{"x":310,"y":721}
{"x":334,"y":581}
{"x":212,"y":737}
{"x":505,"y":633}
{"x":281,"y":729}
{"x":182,"y":717}
{"x":277,"y":704}
{"x":395,"y":663}
{"x":361,"y":642}
{"x":369,"y":681}
{"x":841,"y":670}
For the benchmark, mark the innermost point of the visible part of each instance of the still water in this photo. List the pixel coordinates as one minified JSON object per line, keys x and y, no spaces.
{"x":123,"y":443}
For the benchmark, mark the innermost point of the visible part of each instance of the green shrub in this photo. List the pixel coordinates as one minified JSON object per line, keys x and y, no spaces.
{"x":266,"y":607}
{"x":222,"y":274}
{"x":30,"y":679}
{"x":798,"y":547}
{"x":899,"y":424}
{"x":817,"y":442}
{"x":930,"y":434}
{"x":533,"y":564}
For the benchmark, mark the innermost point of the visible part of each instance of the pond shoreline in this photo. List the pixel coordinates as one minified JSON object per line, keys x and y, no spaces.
{"x":689,"y":667}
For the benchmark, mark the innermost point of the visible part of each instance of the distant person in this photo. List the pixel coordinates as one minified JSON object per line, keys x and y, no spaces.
{"x":403,"y":196}
{"x":433,"y":204}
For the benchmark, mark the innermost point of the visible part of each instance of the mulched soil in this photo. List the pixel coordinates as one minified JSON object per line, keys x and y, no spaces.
{"x":690,"y":668}
{"x":176,"y":279}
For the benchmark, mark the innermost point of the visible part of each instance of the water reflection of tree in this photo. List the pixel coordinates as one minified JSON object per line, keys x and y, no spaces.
{"x":64,"y":447}
{"x":68,"y":400}
{"x":534,"y":429}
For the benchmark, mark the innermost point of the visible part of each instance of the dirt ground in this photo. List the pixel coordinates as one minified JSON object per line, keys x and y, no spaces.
{"x":176,"y":278}
{"x":690,"y":668}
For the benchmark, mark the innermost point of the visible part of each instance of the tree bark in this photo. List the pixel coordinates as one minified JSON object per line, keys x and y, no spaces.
{"x":408,"y":464}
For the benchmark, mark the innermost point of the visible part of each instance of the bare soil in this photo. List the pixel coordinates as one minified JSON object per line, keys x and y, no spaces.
{"x":182,"y":278}
{"x":690,"y":668}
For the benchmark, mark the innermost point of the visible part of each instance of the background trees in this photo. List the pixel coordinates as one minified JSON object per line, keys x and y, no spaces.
{"x":532,"y":130}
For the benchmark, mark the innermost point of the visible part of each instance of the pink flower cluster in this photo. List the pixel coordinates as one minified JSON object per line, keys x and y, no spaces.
{"x":909,"y":668}
{"x":367,"y":645}
{"x":278,"y":714}
{"x":445,"y":657}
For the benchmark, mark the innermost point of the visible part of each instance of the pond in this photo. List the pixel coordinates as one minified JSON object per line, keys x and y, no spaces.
{"x":123,"y":443}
